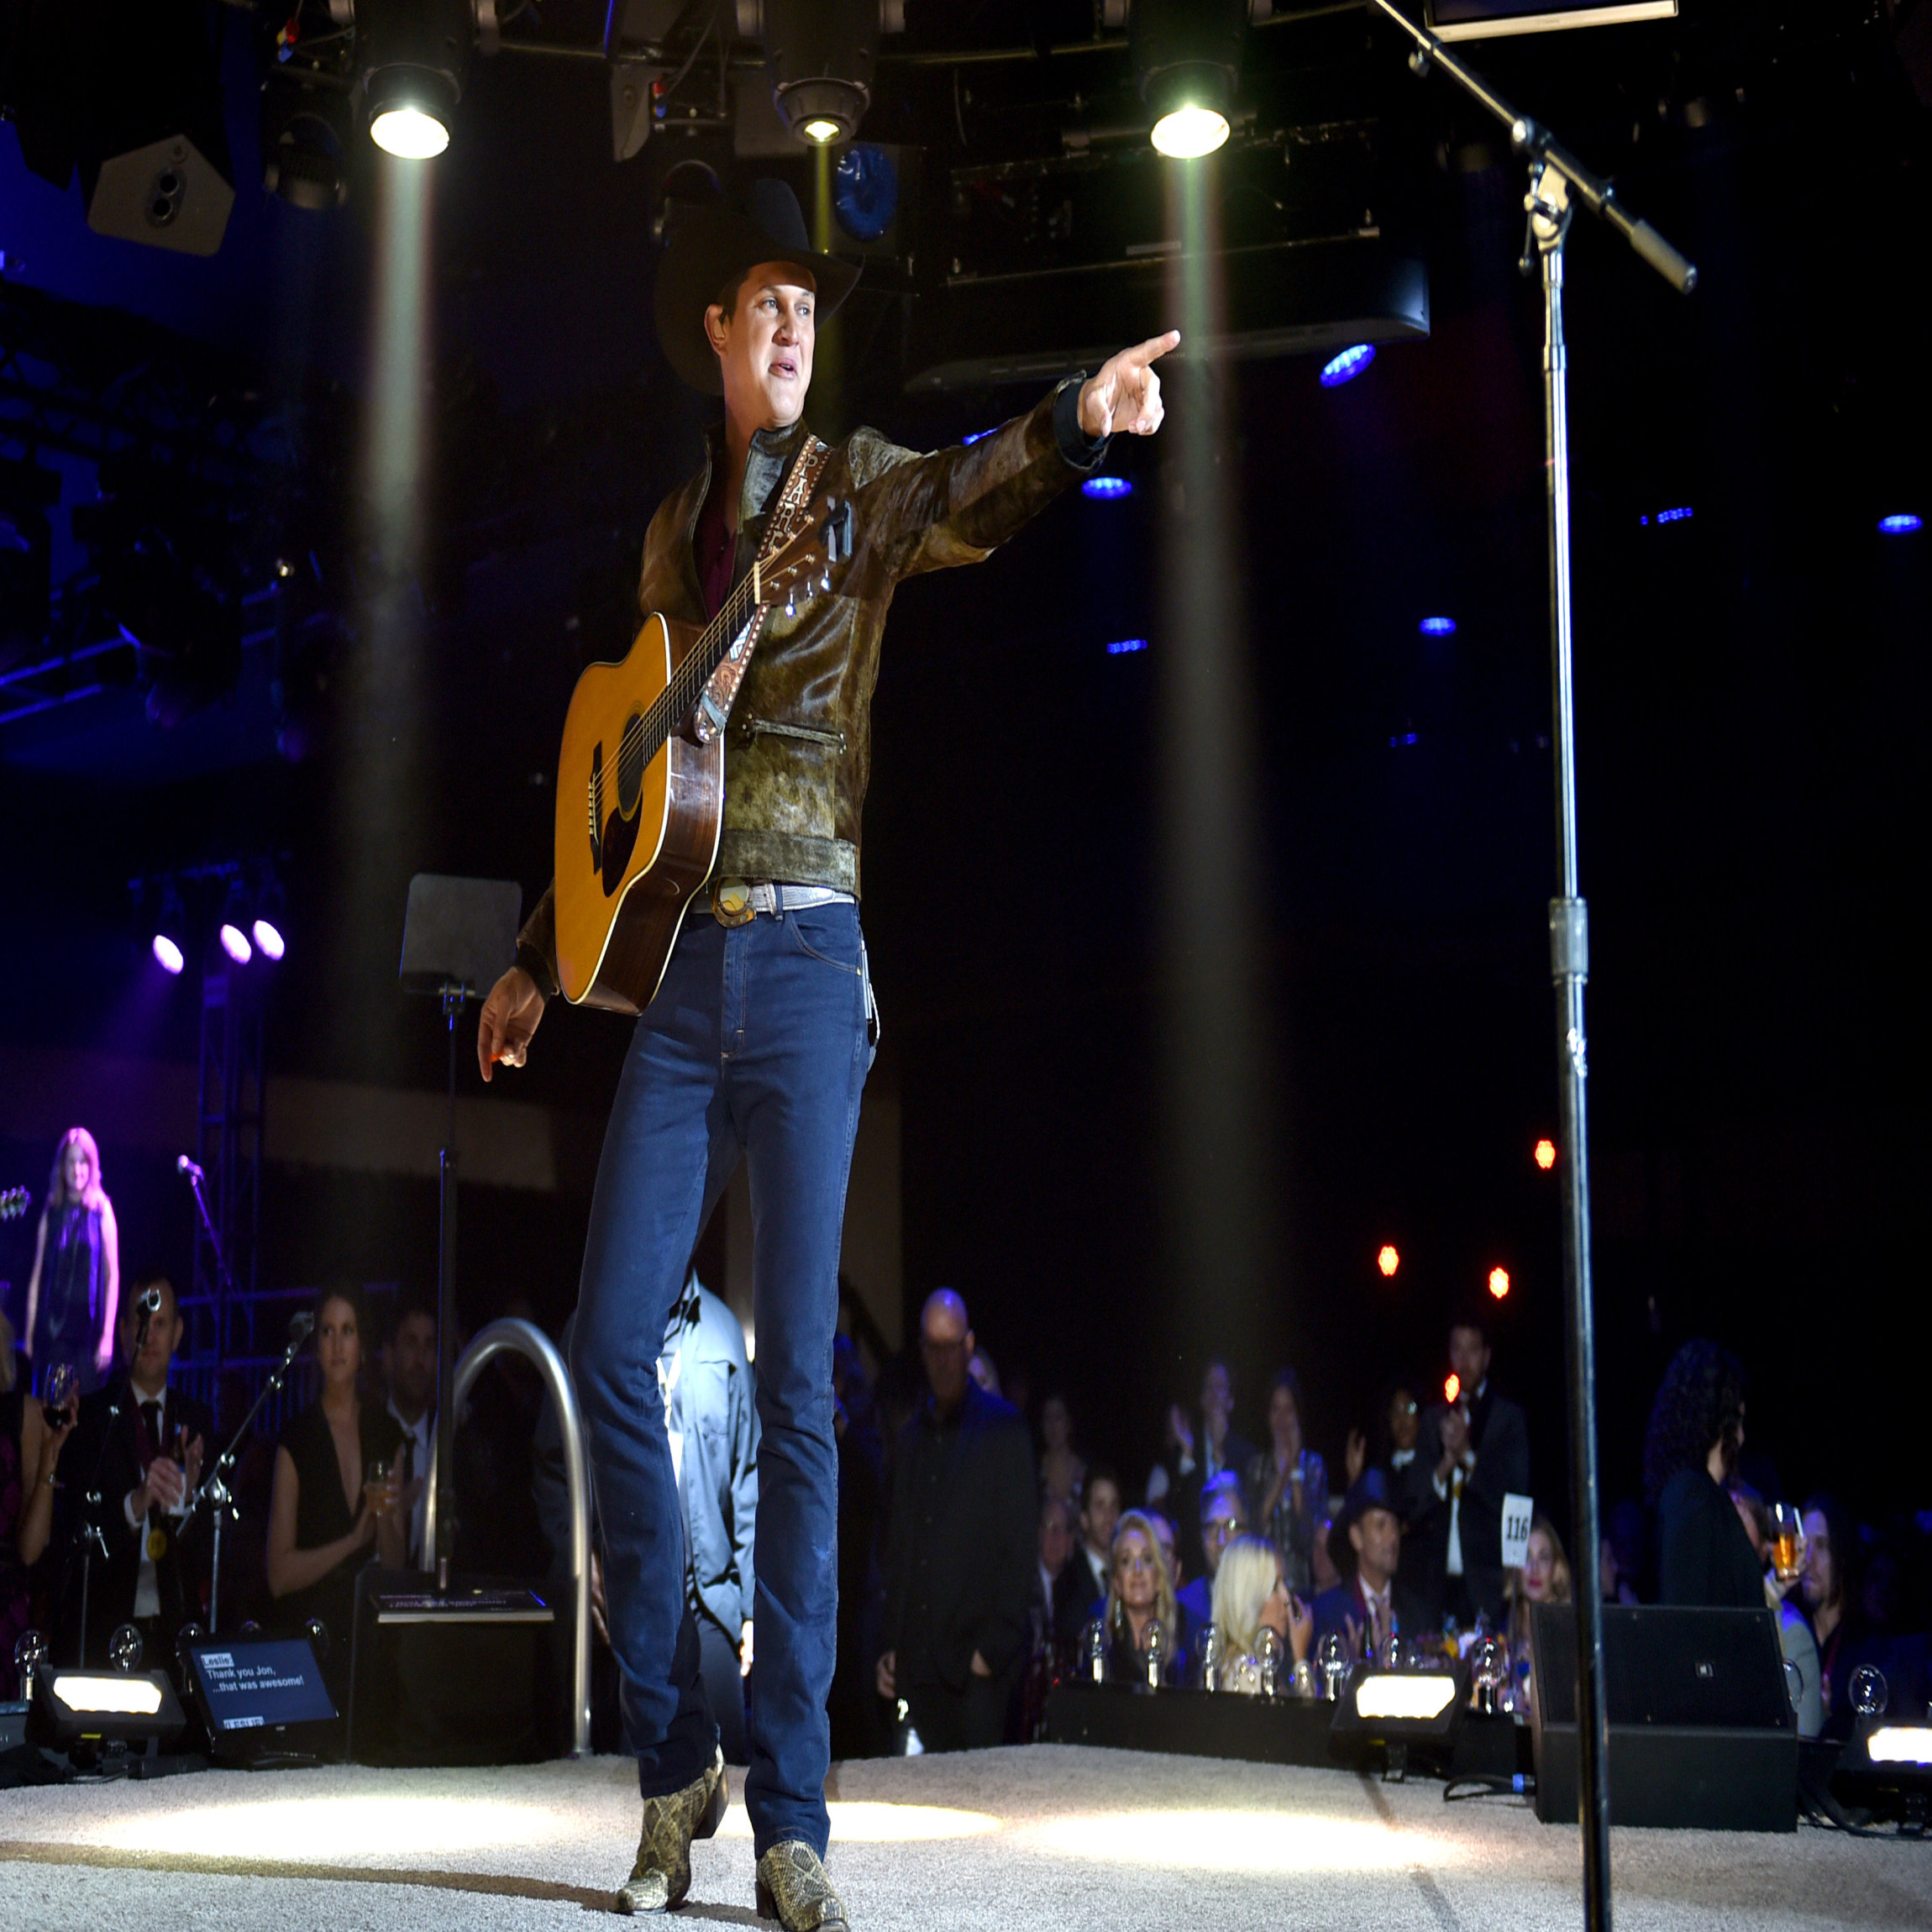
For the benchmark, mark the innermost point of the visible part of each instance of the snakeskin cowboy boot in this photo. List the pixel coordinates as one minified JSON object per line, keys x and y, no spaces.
{"x":793,"y":1889}
{"x":662,"y":1875}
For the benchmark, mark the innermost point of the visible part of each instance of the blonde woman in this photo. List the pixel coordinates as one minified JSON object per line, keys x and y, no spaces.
{"x":1544,"y":1578}
{"x":74,"y":1289}
{"x":1140,"y":1592}
{"x":1249,"y":1597}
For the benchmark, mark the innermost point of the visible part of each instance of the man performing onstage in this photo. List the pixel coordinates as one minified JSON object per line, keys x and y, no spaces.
{"x":758,"y":1040}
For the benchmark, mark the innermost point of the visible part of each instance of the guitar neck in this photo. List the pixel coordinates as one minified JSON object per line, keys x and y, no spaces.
{"x":680,"y":696}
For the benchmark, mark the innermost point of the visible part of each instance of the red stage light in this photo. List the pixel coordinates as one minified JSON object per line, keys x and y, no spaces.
{"x":1451,"y":1389}
{"x":1499,"y":1282}
{"x":1389,"y":1260}
{"x":1545,"y":1154}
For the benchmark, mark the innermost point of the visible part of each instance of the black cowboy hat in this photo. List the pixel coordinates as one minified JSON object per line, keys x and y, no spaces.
{"x":1371,"y":1490}
{"x":715,"y":245}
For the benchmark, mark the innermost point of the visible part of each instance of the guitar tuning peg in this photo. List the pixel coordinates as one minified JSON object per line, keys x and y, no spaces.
{"x":825,"y":578}
{"x":790,"y":607}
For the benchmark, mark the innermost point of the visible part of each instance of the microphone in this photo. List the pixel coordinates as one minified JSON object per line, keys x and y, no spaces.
{"x":150,"y":1299}
{"x":190,"y":1168}
{"x":299,"y":1325}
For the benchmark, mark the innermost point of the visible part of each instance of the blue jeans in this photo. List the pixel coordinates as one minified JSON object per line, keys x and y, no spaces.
{"x":756,"y":1044}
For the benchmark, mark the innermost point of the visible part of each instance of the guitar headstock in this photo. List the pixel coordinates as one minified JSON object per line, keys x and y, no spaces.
{"x":15,"y":1202}
{"x":804,"y":564}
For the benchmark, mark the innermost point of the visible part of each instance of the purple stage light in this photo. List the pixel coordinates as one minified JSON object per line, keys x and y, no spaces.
{"x":1437,"y":627}
{"x":1121,"y":646}
{"x":1901,"y":523}
{"x":1346,"y":366}
{"x":1106,"y":489}
{"x":234,"y":943}
{"x":269,"y":938}
{"x":168,"y":955}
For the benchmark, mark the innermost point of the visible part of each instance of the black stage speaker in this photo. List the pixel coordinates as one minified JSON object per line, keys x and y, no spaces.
{"x":480,"y":1674}
{"x":1702,"y":1731}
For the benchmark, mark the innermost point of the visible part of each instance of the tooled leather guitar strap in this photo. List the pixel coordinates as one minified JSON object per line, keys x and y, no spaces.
{"x":721,"y":690}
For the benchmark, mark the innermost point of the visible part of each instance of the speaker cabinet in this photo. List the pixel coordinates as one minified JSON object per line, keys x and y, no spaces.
{"x":1702,"y":1731}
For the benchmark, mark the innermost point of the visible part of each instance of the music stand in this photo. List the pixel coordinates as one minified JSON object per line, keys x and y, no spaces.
{"x":458,"y":939}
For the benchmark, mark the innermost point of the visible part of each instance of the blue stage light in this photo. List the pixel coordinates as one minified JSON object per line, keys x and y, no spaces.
{"x":1106,"y":489}
{"x":1346,"y":366}
{"x":1901,"y":523}
{"x":1121,"y":646}
{"x":978,"y":433}
{"x":865,"y":191}
{"x":1437,"y":627}
{"x":1402,"y":738}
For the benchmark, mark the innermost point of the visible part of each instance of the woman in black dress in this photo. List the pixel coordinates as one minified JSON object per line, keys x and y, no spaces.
{"x":325,"y":1521}
{"x":1697,"y":1428}
{"x":74,"y":1289}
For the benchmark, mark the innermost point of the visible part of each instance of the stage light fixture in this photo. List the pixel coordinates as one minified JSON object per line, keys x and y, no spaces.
{"x":1125,"y":647}
{"x":233,"y":929}
{"x":1346,"y":366}
{"x":1400,"y":1708}
{"x":1437,"y":627}
{"x":412,"y":72}
{"x":1545,"y":1154}
{"x":1187,"y":56}
{"x":302,"y":146}
{"x":1106,"y":489}
{"x":270,"y":926}
{"x":1499,"y":1282}
{"x":170,"y":942}
{"x":1900,"y":523}
{"x":72,"y":1707}
{"x":1388,"y":1259}
{"x":819,"y":54}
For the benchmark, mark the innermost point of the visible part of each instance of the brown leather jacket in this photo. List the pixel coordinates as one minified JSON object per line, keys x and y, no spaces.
{"x":798,"y":750}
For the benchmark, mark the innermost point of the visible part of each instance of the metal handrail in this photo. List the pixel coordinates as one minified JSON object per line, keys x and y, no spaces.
{"x":522,"y":1338}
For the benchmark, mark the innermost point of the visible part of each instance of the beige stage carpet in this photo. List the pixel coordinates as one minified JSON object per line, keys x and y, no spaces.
{"x":1049,"y":1836}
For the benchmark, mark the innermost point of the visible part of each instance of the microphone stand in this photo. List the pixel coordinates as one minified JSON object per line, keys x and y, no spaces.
{"x":194,"y":1176}
{"x":1558,"y":181}
{"x":214,"y":1490}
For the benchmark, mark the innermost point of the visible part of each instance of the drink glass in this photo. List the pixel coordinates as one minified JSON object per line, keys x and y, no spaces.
{"x":375,"y":1485}
{"x":1787,"y":1540}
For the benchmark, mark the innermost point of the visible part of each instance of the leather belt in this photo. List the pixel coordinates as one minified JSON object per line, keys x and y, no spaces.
{"x":737,"y":902}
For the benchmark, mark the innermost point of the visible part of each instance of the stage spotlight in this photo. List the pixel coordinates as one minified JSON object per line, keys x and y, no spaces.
{"x":819,"y":54}
{"x":412,"y":75}
{"x":1499,"y":1282}
{"x":1106,"y":489}
{"x":1389,"y":1260}
{"x":1397,"y":1709}
{"x":1186,"y":56}
{"x":72,"y":1707}
{"x":1545,"y":1154}
{"x":303,"y":144}
{"x":270,"y":921}
{"x":1346,"y":366}
{"x":1125,"y":647}
{"x":1900,"y":523}
{"x":1437,"y":627}
{"x":233,"y":929}
{"x":170,"y":941}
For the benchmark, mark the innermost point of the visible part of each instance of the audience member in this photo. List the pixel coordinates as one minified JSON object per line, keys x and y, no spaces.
{"x":1141,"y":1593}
{"x":334,"y":1500}
{"x":1062,"y":1470}
{"x":1830,"y":1587}
{"x":1368,"y":1608}
{"x":1476,"y":1451}
{"x":1083,"y":1584}
{"x":1057,"y":1535}
{"x":1250,"y":1596}
{"x":1795,"y":1632}
{"x":1544,"y":1578}
{"x":1197,"y":1461}
{"x":853,"y":1705}
{"x":409,"y":1370}
{"x":960,"y":1548}
{"x":31,"y":1438}
{"x":1696,"y":1429}
{"x":1398,"y":1426}
{"x":1163,"y":1530}
{"x":73,"y":1289}
{"x":1288,"y":1485}
{"x":1224,"y":1516}
{"x":144,"y":1461}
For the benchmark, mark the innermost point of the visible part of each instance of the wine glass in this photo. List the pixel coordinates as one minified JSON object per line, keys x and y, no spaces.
{"x":1331,"y":1662}
{"x":375,"y":1485}
{"x":1093,"y":1652}
{"x":1157,"y":1652}
{"x":1267,"y":1656}
{"x":1211,"y":1657}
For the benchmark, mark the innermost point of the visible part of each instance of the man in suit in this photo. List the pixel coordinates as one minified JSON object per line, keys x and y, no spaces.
{"x":409,"y":1368}
{"x":1223,"y":1517}
{"x":960,"y":1548}
{"x":1199,"y":1458}
{"x":1083,"y":1581}
{"x":1369,"y":1605}
{"x":1476,"y":1451}
{"x":138,"y":1446}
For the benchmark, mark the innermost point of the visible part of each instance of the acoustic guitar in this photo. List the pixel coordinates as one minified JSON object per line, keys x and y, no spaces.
{"x":640,"y":778}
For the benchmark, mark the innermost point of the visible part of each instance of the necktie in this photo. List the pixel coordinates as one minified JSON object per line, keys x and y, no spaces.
{"x":405,"y":1469}
{"x":151,"y":1415}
